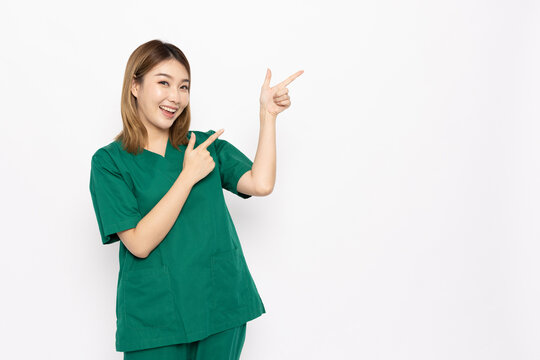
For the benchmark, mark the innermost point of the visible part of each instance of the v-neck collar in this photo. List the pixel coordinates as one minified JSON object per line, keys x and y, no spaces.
{"x":167,"y":150}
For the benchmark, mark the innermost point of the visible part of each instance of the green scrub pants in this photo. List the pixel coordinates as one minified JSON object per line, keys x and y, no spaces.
{"x":225,"y":345}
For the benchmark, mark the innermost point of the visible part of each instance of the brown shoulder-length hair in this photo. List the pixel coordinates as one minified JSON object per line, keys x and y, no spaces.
{"x":134,"y":136}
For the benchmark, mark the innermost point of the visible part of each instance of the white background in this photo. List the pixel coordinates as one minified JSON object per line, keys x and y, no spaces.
{"x":404,"y":220}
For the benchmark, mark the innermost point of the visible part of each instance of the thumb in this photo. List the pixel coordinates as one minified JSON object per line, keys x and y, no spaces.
{"x":267,"y":78}
{"x":191,"y":143}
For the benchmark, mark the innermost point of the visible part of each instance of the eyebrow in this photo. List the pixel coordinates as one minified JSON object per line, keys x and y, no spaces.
{"x":169,"y":76}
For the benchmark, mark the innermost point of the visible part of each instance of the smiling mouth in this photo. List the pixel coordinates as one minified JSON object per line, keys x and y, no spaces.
{"x":167,"y":114}
{"x":168,"y":109}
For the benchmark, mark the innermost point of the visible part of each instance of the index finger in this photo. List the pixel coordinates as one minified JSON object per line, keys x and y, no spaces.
{"x":210,"y":139}
{"x":289,"y":80}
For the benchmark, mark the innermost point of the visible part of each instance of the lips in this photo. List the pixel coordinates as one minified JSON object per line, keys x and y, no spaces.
{"x":166,"y":107}
{"x":168,"y":114}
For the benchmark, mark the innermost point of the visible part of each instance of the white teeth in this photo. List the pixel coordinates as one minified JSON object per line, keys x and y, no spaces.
{"x":168,"y":109}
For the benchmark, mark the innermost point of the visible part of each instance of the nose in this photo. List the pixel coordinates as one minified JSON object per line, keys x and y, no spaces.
{"x":174,"y":96}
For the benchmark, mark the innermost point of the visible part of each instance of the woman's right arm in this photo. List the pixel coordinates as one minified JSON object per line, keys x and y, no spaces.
{"x":153,"y":227}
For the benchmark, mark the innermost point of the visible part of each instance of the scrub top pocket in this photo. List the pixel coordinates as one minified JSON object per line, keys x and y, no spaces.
{"x":229,"y":280}
{"x":148,"y":298}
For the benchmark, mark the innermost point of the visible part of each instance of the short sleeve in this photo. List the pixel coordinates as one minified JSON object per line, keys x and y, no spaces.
{"x":232,"y":165}
{"x":115,"y":205}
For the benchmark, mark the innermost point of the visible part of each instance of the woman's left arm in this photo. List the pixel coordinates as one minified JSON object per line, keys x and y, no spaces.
{"x":260,"y":180}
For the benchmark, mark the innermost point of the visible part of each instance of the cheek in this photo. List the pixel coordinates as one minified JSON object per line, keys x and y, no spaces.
{"x":159,"y":95}
{"x":155,"y":93}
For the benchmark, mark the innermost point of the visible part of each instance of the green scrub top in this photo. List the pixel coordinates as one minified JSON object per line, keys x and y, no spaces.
{"x":196,"y":282}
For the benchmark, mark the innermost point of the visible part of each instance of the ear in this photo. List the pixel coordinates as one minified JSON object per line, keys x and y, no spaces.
{"x":135,"y":87}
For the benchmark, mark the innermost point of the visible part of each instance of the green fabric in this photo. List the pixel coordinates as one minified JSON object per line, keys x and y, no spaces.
{"x":196,"y":282}
{"x":226,"y":345}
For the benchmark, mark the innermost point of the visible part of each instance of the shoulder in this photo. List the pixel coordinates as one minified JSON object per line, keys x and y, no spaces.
{"x":106,"y":156}
{"x":203,"y":134}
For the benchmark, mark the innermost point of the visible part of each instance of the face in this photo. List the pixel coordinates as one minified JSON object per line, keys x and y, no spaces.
{"x":166,"y":85}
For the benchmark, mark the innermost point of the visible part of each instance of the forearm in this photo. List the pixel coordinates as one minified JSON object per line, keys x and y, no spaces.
{"x":153,"y":227}
{"x":263,"y":170}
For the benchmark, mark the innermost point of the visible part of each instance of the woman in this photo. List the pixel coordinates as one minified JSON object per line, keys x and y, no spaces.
{"x":184,"y":287}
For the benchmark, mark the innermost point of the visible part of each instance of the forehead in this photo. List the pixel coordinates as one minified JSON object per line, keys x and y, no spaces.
{"x":172,"y":68}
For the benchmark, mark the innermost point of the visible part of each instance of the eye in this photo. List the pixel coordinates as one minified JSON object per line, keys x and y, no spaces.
{"x":163,"y":82}
{"x":185,"y":86}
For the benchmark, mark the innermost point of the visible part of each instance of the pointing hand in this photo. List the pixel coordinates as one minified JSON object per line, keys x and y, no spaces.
{"x":198,"y":162}
{"x":276,"y":99}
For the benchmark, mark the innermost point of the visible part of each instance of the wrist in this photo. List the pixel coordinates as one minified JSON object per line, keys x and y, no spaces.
{"x":265,"y":115}
{"x":186,"y":178}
